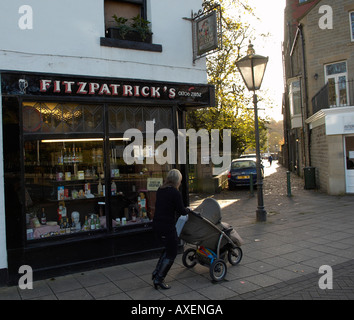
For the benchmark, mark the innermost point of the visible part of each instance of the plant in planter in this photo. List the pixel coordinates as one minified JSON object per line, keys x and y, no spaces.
{"x":122,"y":27}
{"x":142,"y":26}
{"x":137,"y":30}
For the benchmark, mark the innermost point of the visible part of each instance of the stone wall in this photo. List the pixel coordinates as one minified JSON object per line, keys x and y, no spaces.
{"x":319,"y":156}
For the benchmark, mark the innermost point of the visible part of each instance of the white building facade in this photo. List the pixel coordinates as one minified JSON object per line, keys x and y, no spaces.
{"x":67,"y":77}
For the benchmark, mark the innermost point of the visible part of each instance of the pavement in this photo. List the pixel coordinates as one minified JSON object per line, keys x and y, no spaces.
{"x":282,"y":259}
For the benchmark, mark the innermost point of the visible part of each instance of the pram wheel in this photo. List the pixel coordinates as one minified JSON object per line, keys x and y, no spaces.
{"x":234,"y":255}
{"x":218,"y":270}
{"x":189,"y":259}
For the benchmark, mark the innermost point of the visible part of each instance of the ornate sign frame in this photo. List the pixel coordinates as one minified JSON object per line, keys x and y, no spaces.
{"x":206,"y":32}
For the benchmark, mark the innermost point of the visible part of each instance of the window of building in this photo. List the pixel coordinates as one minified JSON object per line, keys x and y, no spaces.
{"x":336,"y":77}
{"x":126,"y":9}
{"x":127,"y":26}
{"x":78,"y":183}
{"x":351,"y":21}
{"x":295,"y":97}
{"x":126,"y":20}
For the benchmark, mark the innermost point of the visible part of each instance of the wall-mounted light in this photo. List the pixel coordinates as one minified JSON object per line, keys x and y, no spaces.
{"x":315,"y":76}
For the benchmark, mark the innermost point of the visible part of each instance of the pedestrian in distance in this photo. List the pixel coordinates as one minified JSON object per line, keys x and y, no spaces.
{"x":168,"y":207}
{"x":270,"y":159}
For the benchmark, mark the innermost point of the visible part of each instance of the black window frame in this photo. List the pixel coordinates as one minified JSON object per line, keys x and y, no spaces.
{"x":134,"y":45}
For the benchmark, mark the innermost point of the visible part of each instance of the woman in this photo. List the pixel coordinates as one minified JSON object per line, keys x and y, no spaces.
{"x":169,"y":206}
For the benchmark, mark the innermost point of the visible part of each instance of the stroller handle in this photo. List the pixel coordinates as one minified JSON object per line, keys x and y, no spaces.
{"x":195,"y":213}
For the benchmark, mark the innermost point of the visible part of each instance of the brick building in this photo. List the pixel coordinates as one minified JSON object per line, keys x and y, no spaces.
{"x":318,"y":101}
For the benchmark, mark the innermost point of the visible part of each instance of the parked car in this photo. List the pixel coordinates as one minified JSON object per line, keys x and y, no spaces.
{"x":251,"y":156}
{"x":240,"y":172}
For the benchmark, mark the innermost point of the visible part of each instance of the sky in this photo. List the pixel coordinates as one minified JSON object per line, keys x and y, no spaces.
{"x":271,"y":15}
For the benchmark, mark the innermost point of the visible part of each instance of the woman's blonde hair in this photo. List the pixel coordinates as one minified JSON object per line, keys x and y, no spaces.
{"x":174,"y":178}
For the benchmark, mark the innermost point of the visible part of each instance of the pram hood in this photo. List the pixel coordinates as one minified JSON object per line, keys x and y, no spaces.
{"x":210,"y":209}
{"x":199,"y":232}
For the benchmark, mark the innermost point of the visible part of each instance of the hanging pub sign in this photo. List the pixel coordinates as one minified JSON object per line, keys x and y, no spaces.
{"x":68,"y":86}
{"x":207,"y":36}
{"x":207,"y":31}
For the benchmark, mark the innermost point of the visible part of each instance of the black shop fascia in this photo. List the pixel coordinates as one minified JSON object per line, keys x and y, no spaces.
{"x":72,"y":201}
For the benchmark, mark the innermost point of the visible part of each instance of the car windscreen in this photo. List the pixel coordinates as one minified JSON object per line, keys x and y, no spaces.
{"x":243,"y":164}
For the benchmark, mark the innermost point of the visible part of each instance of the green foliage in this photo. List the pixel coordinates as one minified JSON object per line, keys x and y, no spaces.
{"x":137,"y":24}
{"x":121,"y":24}
{"x":142,"y":26}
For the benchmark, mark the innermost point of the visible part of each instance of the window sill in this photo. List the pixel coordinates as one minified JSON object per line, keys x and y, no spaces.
{"x":134,"y":45}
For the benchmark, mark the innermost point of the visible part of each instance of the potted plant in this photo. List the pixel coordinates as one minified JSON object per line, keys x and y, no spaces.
{"x":121,"y":29}
{"x":142,"y":27}
{"x":138,"y":30}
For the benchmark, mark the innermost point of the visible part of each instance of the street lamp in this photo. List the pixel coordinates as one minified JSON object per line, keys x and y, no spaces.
{"x":252,"y":68}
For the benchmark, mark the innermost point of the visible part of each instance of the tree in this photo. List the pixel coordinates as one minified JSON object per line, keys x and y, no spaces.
{"x":234,"y":107}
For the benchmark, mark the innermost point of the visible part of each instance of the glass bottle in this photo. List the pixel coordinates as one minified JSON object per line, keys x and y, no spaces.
{"x":43,"y":217}
{"x":86,"y":224}
{"x":99,"y":188}
{"x":92,"y":223}
{"x":65,"y":156}
{"x":113,"y":188}
{"x":98,"y":224}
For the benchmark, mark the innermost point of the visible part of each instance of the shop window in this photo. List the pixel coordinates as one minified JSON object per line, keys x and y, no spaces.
{"x":133,"y":187}
{"x":336,"y":76}
{"x":64,"y":187}
{"x":351,"y":22}
{"x":76,"y":184}
{"x":295,"y":97}
{"x":48,"y":118}
{"x":122,"y":118}
{"x":349,"y":147}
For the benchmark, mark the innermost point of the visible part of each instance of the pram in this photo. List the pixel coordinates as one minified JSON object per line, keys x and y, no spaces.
{"x":213,"y":240}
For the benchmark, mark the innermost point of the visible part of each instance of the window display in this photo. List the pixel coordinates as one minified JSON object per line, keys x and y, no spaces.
{"x":77,"y":184}
{"x":63,"y":187}
{"x":132,"y":188}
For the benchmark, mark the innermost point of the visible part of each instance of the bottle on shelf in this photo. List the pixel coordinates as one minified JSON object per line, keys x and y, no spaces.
{"x":98,"y":223}
{"x":113,"y":188}
{"x":62,"y":226}
{"x":100,"y":188}
{"x":80,"y":157}
{"x":86,"y":224}
{"x":61,"y":158}
{"x":68,"y":226}
{"x":70,"y":157}
{"x":65,"y":156}
{"x":43,"y":217}
{"x":92,"y":222}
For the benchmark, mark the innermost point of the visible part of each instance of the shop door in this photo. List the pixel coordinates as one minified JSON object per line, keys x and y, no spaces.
{"x":349,"y":169}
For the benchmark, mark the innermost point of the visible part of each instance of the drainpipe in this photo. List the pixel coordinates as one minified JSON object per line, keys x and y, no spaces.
{"x":305,"y":127}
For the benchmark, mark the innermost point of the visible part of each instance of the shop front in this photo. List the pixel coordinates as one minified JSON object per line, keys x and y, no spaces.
{"x":71,"y":197}
{"x":332,"y":149}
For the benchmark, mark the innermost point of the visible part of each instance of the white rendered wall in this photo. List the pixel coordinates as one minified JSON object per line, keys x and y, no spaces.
{"x":66,"y":39}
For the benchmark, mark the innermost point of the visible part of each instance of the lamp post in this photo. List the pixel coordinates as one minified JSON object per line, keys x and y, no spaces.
{"x":252,"y":68}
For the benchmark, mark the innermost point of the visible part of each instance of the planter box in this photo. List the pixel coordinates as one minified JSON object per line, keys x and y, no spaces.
{"x":115,"y":33}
